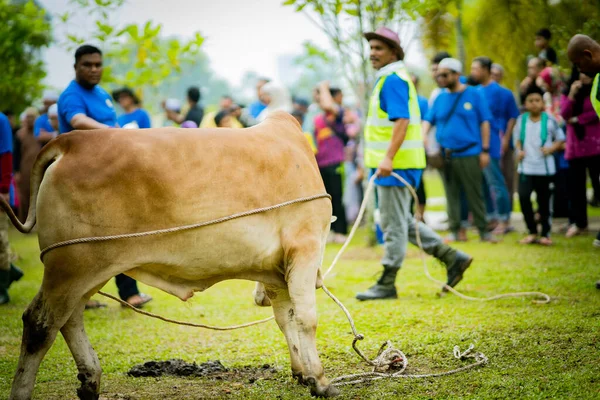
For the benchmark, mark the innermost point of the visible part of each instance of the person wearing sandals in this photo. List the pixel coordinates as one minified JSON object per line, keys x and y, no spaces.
{"x":537,"y":136}
{"x":584,"y":53}
{"x":85,"y":105}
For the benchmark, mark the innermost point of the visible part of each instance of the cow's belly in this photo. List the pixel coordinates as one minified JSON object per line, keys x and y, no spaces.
{"x":185,"y":262}
{"x":193,"y":262}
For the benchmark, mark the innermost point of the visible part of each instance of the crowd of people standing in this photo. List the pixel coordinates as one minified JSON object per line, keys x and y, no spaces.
{"x":485,"y":146}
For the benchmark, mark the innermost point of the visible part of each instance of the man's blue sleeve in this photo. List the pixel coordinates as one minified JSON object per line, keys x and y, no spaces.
{"x":394,"y":98}
{"x":37,"y":127}
{"x":430,"y":116}
{"x":6,"y":139}
{"x":512,"y":110}
{"x":423,"y":106}
{"x":144,"y":122}
{"x":483,"y":110}
{"x":70,"y":106}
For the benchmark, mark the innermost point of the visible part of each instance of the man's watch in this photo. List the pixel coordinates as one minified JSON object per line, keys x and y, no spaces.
{"x":485,"y":150}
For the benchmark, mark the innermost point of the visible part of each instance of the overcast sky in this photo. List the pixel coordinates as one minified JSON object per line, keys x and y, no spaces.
{"x":241,"y":35}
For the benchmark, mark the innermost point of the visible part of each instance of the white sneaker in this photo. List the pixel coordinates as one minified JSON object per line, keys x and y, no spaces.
{"x":597,"y":243}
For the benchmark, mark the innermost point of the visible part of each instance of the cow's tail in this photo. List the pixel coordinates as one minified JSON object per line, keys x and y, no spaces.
{"x":46,"y":157}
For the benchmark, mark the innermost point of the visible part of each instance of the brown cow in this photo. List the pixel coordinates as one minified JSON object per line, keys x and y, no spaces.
{"x":107,"y":182}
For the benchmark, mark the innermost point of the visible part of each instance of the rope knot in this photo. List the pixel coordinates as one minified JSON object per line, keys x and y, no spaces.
{"x":388,"y":358}
{"x":478,"y":356}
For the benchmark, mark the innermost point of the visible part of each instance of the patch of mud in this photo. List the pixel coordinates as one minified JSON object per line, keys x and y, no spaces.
{"x":176,"y":368}
{"x":211,"y":369}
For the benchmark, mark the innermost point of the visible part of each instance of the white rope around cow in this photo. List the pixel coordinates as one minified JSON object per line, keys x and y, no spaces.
{"x":389,"y":362}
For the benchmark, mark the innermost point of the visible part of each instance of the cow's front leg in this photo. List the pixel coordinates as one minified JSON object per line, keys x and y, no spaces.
{"x":284,"y":315}
{"x":302,"y":277}
{"x":46,"y":314}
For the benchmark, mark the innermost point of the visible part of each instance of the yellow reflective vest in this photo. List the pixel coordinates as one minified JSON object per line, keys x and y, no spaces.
{"x":379,"y":130}
{"x":594,"y":95}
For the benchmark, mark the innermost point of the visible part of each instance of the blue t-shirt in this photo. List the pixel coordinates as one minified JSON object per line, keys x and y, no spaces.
{"x":503,"y":107}
{"x":6,"y":139}
{"x":94,"y":103}
{"x":256,"y":108}
{"x":423,"y":105}
{"x":42,"y":122}
{"x":393,"y":99}
{"x":461,"y":130}
{"x":138,"y":116}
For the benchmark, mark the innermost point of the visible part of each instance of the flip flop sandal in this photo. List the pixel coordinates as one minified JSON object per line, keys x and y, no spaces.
{"x":145,"y":299}
{"x":94,"y":304}
{"x":545,"y":241}
{"x":528,"y":240}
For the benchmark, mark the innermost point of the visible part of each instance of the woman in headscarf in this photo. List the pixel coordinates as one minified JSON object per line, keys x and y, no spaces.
{"x":276,"y":97}
{"x":582,"y":150}
{"x":26,"y":150}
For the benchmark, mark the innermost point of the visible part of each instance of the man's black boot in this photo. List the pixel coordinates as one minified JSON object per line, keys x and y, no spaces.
{"x":384,"y":288}
{"x":15,"y":274}
{"x":457,"y":268}
{"x":4,"y":283}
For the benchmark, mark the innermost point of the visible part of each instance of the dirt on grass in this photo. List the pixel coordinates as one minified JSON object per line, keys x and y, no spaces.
{"x":210,"y":369}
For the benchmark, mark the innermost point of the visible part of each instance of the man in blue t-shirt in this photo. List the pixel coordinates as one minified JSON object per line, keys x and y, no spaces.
{"x":394,"y":198}
{"x":504,"y":114}
{"x":462,"y":118}
{"x":42,"y":129}
{"x":255,"y":108}
{"x":134,"y":117}
{"x":85,"y":105}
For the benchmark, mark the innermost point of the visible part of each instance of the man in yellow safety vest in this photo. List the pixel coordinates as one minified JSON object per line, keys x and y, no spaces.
{"x":584,"y":52}
{"x":393,"y":143}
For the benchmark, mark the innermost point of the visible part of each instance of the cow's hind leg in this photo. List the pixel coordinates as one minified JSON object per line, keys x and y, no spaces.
{"x":302,"y":267}
{"x":284,"y":315}
{"x":41,"y":321}
{"x":85,"y":357}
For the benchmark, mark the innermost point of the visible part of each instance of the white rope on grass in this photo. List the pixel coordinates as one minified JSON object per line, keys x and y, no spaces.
{"x":184,"y":323}
{"x":383,"y":358}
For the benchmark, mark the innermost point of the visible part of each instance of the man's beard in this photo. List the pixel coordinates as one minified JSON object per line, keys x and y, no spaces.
{"x":86,"y":84}
{"x":473,"y":80}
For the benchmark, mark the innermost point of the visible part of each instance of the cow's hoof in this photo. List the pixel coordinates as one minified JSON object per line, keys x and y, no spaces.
{"x":89,"y":389}
{"x":299,"y":378}
{"x":84,"y":394}
{"x":261,"y":299}
{"x":318,"y":390}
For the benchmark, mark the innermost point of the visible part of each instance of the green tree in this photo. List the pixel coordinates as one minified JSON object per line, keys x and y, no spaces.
{"x":504,"y":29}
{"x":318,"y":66}
{"x":197,"y":73}
{"x":344,"y":22}
{"x":135,"y":55}
{"x":24,"y":32}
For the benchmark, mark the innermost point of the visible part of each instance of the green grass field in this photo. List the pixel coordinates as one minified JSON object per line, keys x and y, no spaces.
{"x":536,"y":351}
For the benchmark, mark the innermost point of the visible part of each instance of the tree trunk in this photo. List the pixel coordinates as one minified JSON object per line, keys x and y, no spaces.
{"x":460,"y":44}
